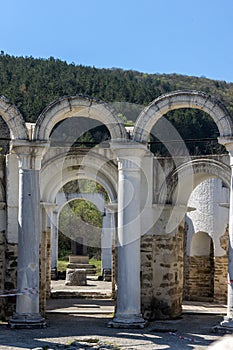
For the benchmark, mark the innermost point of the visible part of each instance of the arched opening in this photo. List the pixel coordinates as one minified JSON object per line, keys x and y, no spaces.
{"x":185,"y":131}
{"x":81,"y":219}
{"x":80,"y":177}
{"x":199,"y":271}
{"x":206,"y":236}
{"x":182,"y":99}
{"x":77,"y":106}
{"x":84,"y":242}
{"x":163,"y":253}
{"x":79,"y":132}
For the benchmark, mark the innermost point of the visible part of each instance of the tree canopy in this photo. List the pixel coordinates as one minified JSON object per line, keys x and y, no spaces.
{"x":31,"y":84}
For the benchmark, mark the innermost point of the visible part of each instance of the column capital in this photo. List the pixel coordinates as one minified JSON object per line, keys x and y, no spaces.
{"x":129,"y":154}
{"x":129,"y":149}
{"x":129,"y":163}
{"x":29,"y":153}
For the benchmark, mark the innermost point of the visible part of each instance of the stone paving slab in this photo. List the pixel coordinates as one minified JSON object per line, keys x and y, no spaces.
{"x":72,"y":330}
{"x":93,"y":289}
{"x":203,"y":308}
{"x":81,"y":306}
{"x":187,"y":333}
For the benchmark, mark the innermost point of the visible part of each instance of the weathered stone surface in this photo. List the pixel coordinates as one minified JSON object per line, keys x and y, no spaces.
{"x":162,"y":250}
{"x":162,"y":275}
{"x":76,"y":277}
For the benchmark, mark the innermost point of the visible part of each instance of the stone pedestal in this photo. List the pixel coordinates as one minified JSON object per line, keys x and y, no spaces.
{"x":78,"y":259}
{"x":76,"y":277}
{"x":107,"y":275}
{"x":81,"y":262}
{"x":106,"y":241}
{"x":54,"y":228}
{"x":27,"y":321}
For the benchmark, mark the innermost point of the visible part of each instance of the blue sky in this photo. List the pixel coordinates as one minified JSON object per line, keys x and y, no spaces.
{"x":153,"y":36}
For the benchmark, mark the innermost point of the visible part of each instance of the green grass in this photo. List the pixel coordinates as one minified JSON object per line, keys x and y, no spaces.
{"x":97,"y":264}
{"x":62,"y":265}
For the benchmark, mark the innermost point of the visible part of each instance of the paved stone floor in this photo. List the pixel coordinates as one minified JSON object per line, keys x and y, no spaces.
{"x":192,"y":331}
{"x":94,"y":288}
{"x":75,"y":323}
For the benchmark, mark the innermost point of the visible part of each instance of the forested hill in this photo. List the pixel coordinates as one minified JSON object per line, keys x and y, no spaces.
{"x":31,"y":84}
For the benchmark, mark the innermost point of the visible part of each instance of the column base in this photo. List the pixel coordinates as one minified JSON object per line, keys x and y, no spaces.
{"x":27,"y":321}
{"x":226,"y":326}
{"x":127,"y":321}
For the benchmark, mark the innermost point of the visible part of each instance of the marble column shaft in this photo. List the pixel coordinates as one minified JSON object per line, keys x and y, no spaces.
{"x":54,"y":227}
{"x":128,"y":309}
{"x":106,"y":241}
{"x":228,"y":319}
{"x":27,"y":305}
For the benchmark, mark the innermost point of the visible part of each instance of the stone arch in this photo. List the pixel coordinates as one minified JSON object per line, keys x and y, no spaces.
{"x":181,"y":182}
{"x":95,"y":198}
{"x":182,"y":99}
{"x":13,"y":119}
{"x":63,"y":168}
{"x":77,"y":106}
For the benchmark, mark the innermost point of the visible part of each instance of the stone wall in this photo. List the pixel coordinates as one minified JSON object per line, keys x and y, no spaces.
{"x":220,"y":279}
{"x":8,"y":250}
{"x":199,"y":277}
{"x":11,"y":256}
{"x":43,"y":272}
{"x":221,"y":271}
{"x":205,"y":276}
{"x":162,"y":275}
{"x":206,"y":280}
{"x":2,"y":271}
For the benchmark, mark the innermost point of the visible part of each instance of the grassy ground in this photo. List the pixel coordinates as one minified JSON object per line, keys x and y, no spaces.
{"x":62,"y":265}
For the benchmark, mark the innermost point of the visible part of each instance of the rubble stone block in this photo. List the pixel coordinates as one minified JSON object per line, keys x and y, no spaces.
{"x":76,"y":277}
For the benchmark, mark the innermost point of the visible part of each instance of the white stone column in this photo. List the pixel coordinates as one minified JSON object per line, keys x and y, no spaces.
{"x":27,"y":305}
{"x":106,"y":241}
{"x":54,"y":227}
{"x":228,"y":319}
{"x":128,"y":308}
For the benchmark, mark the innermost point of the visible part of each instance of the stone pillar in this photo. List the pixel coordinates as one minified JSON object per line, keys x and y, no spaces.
{"x":27,"y":305}
{"x":43,"y":261}
{"x":54,"y":228}
{"x":128,"y":308}
{"x":47,"y":210}
{"x":106,"y":241}
{"x":228,"y":319}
